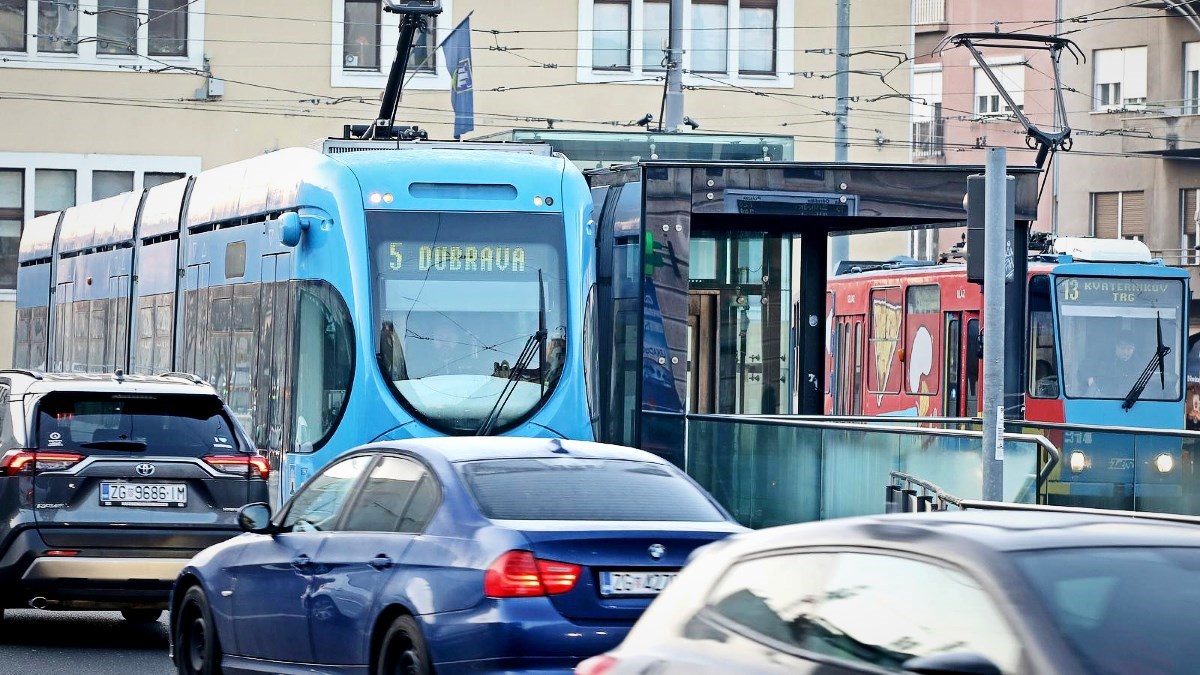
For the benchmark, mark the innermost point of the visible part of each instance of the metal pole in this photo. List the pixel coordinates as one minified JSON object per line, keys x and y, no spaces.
{"x":840,"y":246}
{"x":996,"y":198}
{"x":673,"y":115}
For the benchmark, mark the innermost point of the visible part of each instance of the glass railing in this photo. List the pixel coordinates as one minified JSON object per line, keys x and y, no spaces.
{"x":774,"y":471}
{"x":1102,"y":467}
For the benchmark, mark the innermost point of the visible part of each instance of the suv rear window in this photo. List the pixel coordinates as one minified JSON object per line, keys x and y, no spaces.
{"x":584,"y":489}
{"x":173,"y":425}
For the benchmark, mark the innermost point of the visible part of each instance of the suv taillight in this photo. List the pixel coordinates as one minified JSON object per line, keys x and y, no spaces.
{"x":16,"y":462}
{"x":240,"y":464}
{"x":517,"y":574}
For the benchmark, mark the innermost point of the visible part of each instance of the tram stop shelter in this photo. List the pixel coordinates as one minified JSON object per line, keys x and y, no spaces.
{"x":712,"y":280}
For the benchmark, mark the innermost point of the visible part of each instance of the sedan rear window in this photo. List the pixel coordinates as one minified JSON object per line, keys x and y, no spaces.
{"x":173,"y":425}
{"x":570,"y":488}
{"x":1122,"y":610}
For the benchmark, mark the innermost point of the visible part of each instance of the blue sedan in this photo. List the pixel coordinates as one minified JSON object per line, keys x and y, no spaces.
{"x":479,"y":555}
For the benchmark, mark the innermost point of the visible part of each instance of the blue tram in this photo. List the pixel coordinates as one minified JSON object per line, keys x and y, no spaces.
{"x":335,"y":299}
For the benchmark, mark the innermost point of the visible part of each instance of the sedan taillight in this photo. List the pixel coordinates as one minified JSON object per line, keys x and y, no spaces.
{"x":240,"y":464}
{"x":517,"y":574}
{"x":16,"y":462}
{"x":597,"y":665}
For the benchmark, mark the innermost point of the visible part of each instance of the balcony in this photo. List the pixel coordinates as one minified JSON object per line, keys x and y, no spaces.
{"x":929,"y":138}
{"x":1185,"y":258}
{"x":930,"y":16}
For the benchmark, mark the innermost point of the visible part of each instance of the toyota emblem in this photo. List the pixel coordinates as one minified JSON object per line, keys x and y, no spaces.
{"x":144,"y":470}
{"x":657,"y":551}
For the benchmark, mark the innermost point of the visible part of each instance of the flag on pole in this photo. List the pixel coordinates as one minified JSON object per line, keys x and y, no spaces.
{"x":457,"y":50}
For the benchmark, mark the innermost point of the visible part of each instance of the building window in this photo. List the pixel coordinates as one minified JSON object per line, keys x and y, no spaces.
{"x":53,"y":190}
{"x":104,"y":35}
{"x":1120,"y":77}
{"x":730,"y":39}
{"x":12,"y":25}
{"x":57,"y":27}
{"x":1191,"y":78}
{"x":364,"y":45}
{"x":656,"y":17}
{"x":929,"y":12}
{"x":928,"y":124}
{"x":1119,"y":215}
{"x":110,"y":183}
{"x":610,"y":34}
{"x":1188,"y":217}
{"x":988,"y":101}
{"x":710,"y":36}
{"x":756,"y":21}
{"x":12,"y":214}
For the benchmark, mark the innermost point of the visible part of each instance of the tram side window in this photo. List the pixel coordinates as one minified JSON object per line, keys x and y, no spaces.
{"x":883,"y":375}
{"x":922,"y":309}
{"x":1043,"y":359}
{"x":325,"y":363}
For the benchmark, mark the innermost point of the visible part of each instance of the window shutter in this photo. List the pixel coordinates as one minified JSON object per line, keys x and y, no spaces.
{"x":1104,"y":214}
{"x":1133,"y":210}
{"x":1189,"y":210}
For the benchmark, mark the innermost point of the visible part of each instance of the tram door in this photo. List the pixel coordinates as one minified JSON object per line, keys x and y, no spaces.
{"x":845,"y":382}
{"x":963,"y":364}
{"x":739,"y":323}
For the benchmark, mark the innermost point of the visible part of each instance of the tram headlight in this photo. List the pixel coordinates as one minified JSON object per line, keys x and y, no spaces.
{"x":1078,"y":461}
{"x":1165,"y":463}
{"x":375,"y":198}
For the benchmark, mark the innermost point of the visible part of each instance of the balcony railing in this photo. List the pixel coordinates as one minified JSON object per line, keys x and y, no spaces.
{"x":930,"y":11}
{"x":1178,"y":257}
{"x":928,"y":138}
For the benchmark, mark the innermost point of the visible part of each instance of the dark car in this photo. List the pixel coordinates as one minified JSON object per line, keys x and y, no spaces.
{"x":449,"y":555}
{"x":110,"y":483}
{"x":958,"y":592}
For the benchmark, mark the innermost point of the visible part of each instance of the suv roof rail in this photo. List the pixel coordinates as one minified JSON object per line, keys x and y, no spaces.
{"x":35,"y":374}
{"x":190,"y":377}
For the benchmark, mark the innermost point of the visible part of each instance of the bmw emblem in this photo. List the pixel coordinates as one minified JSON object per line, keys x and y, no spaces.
{"x":144,"y":470}
{"x":657,"y":551}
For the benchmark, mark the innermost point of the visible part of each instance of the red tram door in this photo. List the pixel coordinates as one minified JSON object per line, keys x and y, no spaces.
{"x":963,"y":365}
{"x":846,"y":383}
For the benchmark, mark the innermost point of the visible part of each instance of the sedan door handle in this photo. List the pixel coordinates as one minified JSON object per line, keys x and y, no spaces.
{"x":302,"y":562}
{"x":381,"y":562}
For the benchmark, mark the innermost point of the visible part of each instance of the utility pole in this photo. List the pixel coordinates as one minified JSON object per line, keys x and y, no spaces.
{"x":673,"y":115}
{"x":840,"y":246}
{"x":996,"y":209}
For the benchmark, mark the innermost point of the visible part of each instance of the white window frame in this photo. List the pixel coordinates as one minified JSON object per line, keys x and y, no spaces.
{"x":1191,"y":85}
{"x":87,"y":58}
{"x":784,"y":45}
{"x":930,"y":91}
{"x":83,"y":166}
{"x":389,"y":33}
{"x":1002,"y":68}
{"x":1132,"y":78}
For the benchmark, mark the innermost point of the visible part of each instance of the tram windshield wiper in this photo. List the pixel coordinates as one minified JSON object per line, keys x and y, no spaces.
{"x":534,"y":346}
{"x":1157,"y":362}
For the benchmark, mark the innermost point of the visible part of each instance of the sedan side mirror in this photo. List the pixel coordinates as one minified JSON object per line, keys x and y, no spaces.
{"x":256,"y":518}
{"x":951,"y":663}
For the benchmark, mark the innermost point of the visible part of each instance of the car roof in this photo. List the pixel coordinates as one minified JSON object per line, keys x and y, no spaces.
{"x":979,"y":531}
{"x":171,"y":383}
{"x":457,"y":449}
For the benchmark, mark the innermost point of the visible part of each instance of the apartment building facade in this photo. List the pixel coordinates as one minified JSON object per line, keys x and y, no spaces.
{"x":958,"y":111}
{"x":1135,"y":170}
{"x":105,"y":96}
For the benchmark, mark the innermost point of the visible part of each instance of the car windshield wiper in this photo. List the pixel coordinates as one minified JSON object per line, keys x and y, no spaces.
{"x":1157,"y":361}
{"x":114,"y":445}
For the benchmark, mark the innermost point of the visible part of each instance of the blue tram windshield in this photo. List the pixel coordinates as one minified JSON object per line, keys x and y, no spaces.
{"x":457,"y":297}
{"x":1109,"y":334}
